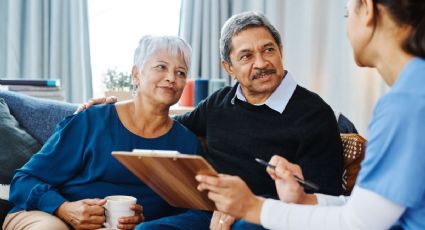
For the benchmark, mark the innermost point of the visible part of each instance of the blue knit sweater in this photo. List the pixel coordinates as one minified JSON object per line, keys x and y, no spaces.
{"x":76,"y":163}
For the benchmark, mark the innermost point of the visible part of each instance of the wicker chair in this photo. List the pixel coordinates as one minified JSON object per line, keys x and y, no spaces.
{"x":353,"y":152}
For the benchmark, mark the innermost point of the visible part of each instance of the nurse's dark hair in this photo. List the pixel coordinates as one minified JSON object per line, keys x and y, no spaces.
{"x":411,"y":13}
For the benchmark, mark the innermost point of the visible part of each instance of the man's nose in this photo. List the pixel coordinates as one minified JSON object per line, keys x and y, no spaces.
{"x":260,"y":62}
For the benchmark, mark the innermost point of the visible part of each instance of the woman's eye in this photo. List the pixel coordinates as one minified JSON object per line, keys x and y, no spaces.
{"x":160,"y":67}
{"x":181,"y":73}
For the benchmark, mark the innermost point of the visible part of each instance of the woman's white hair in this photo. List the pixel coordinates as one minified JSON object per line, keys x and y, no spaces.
{"x":148,"y":45}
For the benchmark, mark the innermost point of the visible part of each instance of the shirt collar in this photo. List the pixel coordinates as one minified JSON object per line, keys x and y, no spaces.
{"x":279,"y":98}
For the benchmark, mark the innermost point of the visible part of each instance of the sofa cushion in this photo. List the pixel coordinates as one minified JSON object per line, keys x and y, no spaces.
{"x":37,"y":116}
{"x":16,"y":145}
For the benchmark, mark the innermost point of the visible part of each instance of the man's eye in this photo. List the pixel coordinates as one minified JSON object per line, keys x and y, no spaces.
{"x":270,"y":49}
{"x":245,"y":57}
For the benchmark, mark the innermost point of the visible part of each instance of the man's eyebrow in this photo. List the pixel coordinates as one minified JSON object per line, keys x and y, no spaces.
{"x":244,"y":51}
{"x":268,"y":44}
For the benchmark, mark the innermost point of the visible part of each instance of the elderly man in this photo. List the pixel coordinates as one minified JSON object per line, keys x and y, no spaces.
{"x":265,"y":113}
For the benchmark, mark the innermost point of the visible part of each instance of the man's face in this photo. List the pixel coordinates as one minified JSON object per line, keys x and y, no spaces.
{"x":256,"y":63}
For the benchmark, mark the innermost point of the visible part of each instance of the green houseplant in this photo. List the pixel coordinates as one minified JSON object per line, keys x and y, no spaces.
{"x":117,"y":84}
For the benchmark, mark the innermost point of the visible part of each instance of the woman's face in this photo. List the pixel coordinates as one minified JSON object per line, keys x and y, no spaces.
{"x":162,"y":78}
{"x":358,"y":33}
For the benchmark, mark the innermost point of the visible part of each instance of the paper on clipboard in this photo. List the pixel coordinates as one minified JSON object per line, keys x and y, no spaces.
{"x":171,"y":175}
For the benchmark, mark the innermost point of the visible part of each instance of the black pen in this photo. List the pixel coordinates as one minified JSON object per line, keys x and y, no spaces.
{"x":304,"y":183}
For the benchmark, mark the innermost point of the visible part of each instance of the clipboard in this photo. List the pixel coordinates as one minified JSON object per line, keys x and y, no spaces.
{"x":171,"y":175}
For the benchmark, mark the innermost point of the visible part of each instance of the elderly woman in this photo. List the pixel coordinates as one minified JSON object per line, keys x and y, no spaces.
{"x":390,"y":36}
{"x":63,"y":184}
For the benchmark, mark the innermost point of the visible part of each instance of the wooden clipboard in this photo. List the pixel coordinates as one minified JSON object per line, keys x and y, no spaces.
{"x":171,"y":175}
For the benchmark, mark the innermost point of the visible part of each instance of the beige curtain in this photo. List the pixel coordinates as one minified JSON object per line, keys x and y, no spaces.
{"x":44,"y":39}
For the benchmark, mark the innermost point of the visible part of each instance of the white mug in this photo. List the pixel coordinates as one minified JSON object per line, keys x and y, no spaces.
{"x":117,"y":207}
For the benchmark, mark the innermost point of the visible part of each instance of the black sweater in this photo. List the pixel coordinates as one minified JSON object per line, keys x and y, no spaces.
{"x":306,"y":133}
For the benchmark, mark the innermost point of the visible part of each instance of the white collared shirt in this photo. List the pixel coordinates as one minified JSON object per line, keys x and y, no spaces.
{"x":279,"y":98}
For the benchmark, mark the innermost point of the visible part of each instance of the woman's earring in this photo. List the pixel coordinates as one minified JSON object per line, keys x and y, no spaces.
{"x":134,"y":89}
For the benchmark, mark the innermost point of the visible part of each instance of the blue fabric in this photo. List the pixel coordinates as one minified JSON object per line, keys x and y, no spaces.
{"x":38,"y":117}
{"x":394,"y":164}
{"x":345,"y":125}
{"x":76,"y":163}
{"x":189,"y":220}
{"x":244,"y":225}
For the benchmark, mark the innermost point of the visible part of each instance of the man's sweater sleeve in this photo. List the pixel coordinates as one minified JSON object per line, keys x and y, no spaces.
{"x":196,"y":120}
{"x":320,"y":151}
{"x":34,"y":186}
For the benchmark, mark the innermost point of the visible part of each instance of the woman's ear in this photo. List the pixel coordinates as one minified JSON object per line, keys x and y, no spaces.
{"x":135,"y":75}
{"x":369,"y":12}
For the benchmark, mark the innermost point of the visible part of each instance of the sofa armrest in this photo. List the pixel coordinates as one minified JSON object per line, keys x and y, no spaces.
{"x":37,"y":116}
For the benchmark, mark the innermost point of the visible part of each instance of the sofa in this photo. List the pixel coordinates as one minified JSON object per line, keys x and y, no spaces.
{"x":27,"y":122}
{"x":25,"y":125}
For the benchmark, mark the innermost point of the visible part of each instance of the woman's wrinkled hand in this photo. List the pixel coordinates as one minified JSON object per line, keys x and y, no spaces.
{"x":83,"y":214}
{"x":130,"y":222}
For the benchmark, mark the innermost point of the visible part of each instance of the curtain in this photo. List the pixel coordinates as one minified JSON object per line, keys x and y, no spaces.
{"x":47,"y":39}
{"x":315,"y":46}
{"x":200,"y":24}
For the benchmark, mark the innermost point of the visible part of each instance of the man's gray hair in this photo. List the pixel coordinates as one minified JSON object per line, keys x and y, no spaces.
{"x":148,"y":45}
{"x":239,"y":22}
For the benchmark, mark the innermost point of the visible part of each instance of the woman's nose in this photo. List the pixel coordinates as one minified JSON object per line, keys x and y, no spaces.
{"x":170,"y":77}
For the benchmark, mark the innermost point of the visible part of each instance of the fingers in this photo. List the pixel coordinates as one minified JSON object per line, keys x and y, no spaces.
{"x":296,"y":170}
{"x":137,"y":208}
{"x":281,"y":165}
{"x":221,"y":221}
{"x":111,"y":100}
{"x":214,"y":224}
{"x":287,"y":177}
{"x":278,"y":161}
{"x":80,"y":108}
{"x":129,"y":222}
{"x":96,"y":219}
{"x":207,"y":183}
{"x":96,"y":101}
{"x":215,"y":184}
{"x":96,"y":201}
{"x":212,"y":180}
{"x":89,"y":226}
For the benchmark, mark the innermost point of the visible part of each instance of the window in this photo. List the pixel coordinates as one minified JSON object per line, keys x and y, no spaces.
{"x":116,"y":27}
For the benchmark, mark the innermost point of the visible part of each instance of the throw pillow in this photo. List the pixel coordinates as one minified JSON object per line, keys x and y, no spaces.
{"x":16,"y":145}
{"x":37,"y":116}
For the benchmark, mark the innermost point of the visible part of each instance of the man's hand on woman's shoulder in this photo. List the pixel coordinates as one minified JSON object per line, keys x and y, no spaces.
{"x":96,"y":101}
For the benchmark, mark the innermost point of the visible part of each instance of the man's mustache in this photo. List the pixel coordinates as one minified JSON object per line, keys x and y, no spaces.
{"x":262,"y":72}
